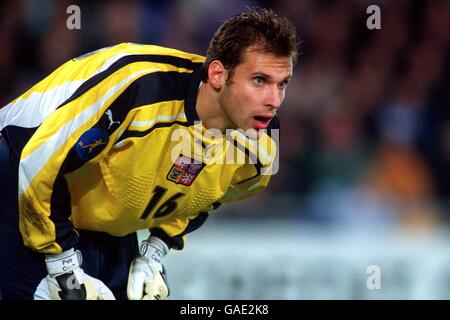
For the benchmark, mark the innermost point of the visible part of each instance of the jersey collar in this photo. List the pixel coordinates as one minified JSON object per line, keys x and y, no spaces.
{"x":191,"y":96}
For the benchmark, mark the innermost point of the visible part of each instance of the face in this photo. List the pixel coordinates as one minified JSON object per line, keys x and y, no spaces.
{"x":251,"y":98}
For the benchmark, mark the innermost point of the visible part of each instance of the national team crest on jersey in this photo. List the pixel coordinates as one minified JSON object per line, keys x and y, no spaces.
{"x":184,"y":171}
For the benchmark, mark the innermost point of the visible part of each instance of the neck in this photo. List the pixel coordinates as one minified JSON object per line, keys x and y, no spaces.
{"x":208,"y":108}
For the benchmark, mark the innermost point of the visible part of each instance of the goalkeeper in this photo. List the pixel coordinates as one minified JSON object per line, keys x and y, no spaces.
{"x":92,"y":153}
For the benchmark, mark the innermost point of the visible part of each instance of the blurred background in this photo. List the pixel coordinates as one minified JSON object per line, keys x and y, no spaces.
{"x":364,"y":179}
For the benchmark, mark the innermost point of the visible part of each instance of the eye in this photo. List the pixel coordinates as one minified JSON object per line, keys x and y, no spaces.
{"x":259,"y":80}
{"x":284,"y":84}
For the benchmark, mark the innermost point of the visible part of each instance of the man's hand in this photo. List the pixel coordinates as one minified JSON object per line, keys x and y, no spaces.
{"x":147,"y":276}
{"x":67,"y":281}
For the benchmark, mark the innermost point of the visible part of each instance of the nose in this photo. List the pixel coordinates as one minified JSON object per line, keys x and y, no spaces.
{"x":274,"y":97}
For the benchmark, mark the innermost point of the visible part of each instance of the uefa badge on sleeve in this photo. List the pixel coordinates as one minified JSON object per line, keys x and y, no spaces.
{"x":91,"y":143}
{"x":184,"y":171}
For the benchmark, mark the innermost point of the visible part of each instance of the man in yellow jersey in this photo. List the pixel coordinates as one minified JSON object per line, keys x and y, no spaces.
{"x":134,"y":137}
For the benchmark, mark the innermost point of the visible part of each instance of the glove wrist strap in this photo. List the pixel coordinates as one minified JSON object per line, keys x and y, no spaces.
{"x":153,"y":248}
{"x":63,"y":262}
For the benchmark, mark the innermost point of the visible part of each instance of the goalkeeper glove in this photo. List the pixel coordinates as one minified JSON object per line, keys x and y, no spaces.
{"x":67,"y":281}
{"x":147,"y":276}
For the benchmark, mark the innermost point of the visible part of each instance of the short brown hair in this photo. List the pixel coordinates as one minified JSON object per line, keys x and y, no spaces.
{"x":262,"y":27}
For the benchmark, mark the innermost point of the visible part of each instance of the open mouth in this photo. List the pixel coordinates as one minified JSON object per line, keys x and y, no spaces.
{"x":262,"y":122}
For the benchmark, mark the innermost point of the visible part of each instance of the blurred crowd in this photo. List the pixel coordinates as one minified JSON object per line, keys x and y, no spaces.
{"x":365,"y":125}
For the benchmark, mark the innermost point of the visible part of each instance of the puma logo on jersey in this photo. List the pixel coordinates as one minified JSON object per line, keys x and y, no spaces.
{"x":110,"y":118}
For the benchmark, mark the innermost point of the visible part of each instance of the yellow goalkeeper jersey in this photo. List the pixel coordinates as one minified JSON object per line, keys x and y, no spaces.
{"x":110,"y":142}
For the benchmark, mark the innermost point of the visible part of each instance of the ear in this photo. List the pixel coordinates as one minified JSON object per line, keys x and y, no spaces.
{"x":217,"y":74}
